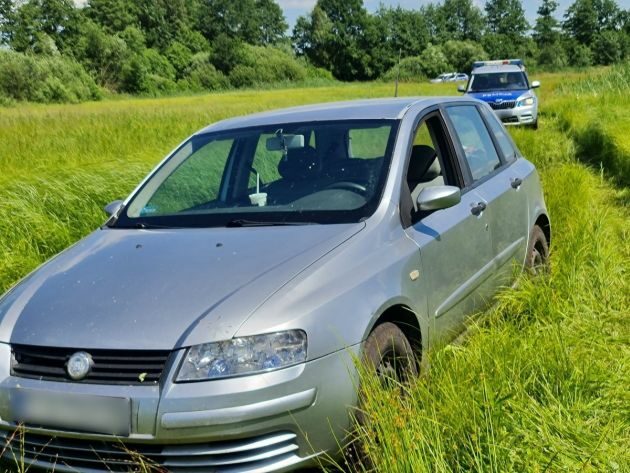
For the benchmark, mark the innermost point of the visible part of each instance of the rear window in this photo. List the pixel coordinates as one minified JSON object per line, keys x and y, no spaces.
{"x":486,"y":82}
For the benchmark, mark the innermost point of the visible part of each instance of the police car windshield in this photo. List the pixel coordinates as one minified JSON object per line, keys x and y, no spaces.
{"x":498,"y":81}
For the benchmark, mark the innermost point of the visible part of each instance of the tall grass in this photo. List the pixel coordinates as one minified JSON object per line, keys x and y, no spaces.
{"x":595,"y":112}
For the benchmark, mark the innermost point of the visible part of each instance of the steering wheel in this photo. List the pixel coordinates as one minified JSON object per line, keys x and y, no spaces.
{"x":348,"y":186}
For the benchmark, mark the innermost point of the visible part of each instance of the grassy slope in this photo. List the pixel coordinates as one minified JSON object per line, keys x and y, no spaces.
{"x":542,"y":381}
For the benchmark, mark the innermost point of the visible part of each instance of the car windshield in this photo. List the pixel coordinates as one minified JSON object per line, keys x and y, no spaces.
{"x":321,"y":172}
{"x":498,"y":81}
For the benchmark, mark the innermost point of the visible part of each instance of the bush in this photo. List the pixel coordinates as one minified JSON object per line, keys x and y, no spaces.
{"x":158,"y":65}
{"x":179,"y":56}
{"x":411,"y":69}
{"x":134,"y":39}
{"x":430,"y":63}
{"x":266,"y":64}
{"x":434,"y":62}
{"x":158,"y":85}
{"x":44,"y":79}
{"x":579,"y":55}
{"x":609,"y":47}
{"x":462,"y":54}
{"x":553,"y":56}
{"x":202,"y":75}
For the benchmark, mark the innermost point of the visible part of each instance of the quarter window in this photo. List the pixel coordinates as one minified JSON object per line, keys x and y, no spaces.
{"x":481,"y":155}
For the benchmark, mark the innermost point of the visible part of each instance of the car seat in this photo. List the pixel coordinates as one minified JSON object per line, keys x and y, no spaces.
{"x":424,"y":171}
{"x":300,"y":172}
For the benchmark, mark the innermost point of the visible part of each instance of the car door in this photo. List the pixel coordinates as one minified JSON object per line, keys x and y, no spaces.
{"x":454,"y":243}
{"x":506,"y":190}
{"x":489,"y":176}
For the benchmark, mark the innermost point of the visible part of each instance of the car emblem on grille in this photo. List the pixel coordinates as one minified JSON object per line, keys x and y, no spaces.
{"x":499,"y":101}
{"x":79,"y":365}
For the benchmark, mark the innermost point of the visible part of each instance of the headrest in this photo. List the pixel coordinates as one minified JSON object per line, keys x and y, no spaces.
{"x":300,"y":163}
{"x":423,"y":165}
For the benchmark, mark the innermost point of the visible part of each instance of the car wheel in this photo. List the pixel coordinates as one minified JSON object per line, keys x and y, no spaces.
{"x":388,"y":351}
{"x":537,"y":252}
{"x":535,"y":125}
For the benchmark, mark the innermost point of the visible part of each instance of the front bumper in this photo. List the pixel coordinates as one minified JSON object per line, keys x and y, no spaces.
{"x":274,"y":421}
{"x":518,"y":115}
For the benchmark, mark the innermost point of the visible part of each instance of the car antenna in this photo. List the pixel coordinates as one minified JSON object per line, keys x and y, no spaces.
{"x":398,"y":73}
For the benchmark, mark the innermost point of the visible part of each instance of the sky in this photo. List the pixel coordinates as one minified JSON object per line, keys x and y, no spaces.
{"x":294,"y":8}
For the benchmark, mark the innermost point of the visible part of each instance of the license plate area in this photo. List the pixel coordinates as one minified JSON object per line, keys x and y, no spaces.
{"x":74,"y":412}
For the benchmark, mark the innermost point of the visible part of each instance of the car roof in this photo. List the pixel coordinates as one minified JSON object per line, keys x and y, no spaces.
{"x":369,"y":109}
{"x":497,"y":69}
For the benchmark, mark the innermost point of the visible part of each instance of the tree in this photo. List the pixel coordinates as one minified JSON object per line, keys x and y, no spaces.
{"x":112,"y":15}
{"x":586,"y":19}
{"x":7,"y":10}
{"x":404,"y":31}
{"x":35,"y":23}
{"x":506,"y":17}
{"x":163,"y":21}
{"x":270,"y":22}
{"x":581,"y":21}
{"x":338,"y":35}
{"x":462,"y":20}
{"x":546,"y":30}
{"x":257,"y":22}
{"x":609,"y":47}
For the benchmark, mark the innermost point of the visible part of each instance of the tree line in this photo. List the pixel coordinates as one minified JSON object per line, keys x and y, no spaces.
{"x":53,"y":50}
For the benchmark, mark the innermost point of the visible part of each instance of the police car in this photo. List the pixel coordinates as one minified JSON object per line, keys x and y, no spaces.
{"x":504,"y":85}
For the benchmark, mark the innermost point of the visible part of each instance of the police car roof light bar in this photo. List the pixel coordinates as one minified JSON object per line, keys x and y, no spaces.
{"x":500,"y":62}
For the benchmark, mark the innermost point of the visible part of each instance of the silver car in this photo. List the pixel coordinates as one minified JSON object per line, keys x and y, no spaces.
{"x":213,"y":322}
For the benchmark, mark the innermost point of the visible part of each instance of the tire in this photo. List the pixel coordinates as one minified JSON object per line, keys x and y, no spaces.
{"x":537,"y":261}
{"x":388,"y":351}
{"x":535,"y":125}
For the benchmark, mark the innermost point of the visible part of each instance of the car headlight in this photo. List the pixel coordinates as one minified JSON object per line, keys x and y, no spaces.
{"x":525,"y":101}
{"x":243,"y":355}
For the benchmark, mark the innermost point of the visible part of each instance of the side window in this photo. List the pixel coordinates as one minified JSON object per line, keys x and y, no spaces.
{"x":500,"y":134}
{"x":194,"y":182}
{"x":474,"y":137}
{"x":428,"y":162}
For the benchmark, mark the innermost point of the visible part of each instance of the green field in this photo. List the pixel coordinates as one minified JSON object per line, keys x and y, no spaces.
{"x":541,"y":382}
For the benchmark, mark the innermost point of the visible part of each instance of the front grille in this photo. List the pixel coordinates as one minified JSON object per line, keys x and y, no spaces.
{"x":127,"y":367}
{"x":503,"y":105}
{"x":267,"y":452}
{"x":509,"y":119}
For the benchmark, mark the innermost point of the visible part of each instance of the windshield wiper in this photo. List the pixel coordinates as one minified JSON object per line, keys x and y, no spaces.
{"x":150,"y":226}
{"x":241,"y":222}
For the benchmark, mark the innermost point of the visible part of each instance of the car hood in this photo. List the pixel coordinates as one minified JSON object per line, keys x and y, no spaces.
{"x":149,"y":289}
{"x":501,"y":95}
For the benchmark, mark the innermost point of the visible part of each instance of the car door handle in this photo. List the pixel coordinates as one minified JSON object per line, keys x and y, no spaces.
{"x":477,"y":209}
{"x":516,"y":182}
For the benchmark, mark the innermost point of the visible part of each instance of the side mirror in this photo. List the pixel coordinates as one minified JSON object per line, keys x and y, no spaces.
{"x":535,"y":84}
{"x":112,"y":208}
{"x":439,"y":197}
{"x":461,"y":88}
